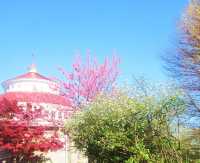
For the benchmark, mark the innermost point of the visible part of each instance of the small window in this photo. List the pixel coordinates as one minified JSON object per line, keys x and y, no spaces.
{"x":60,"y":115}
{"x":34,"y":88}
{"x":53,"y":114}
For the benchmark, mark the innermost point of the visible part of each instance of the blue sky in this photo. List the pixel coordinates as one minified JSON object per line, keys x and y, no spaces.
{"x":54,"y":30}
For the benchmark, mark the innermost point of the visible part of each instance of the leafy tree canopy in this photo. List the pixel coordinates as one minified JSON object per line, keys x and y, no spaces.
{"x":128,"y":127}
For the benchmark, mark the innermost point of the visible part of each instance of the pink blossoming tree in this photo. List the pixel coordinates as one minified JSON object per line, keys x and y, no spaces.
{"x":88,"y":79}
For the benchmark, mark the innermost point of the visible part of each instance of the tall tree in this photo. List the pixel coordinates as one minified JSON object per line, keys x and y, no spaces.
{"x":184,"y":62}
{"x":20,"y":137}
{"x":88,"y":79}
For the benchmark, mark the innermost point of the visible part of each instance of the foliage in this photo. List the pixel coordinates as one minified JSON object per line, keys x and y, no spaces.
{"x":88,"y":79}
{"x":183,"y":62}
{"x":128,"y":127}
{"x":191,"y":139}
{"x":19,"y":136}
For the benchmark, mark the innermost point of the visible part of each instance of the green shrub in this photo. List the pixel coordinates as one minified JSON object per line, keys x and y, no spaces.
{"x":128,"y":127}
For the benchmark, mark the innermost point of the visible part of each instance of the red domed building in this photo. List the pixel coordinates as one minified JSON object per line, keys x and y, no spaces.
{"x":42,"y":92}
